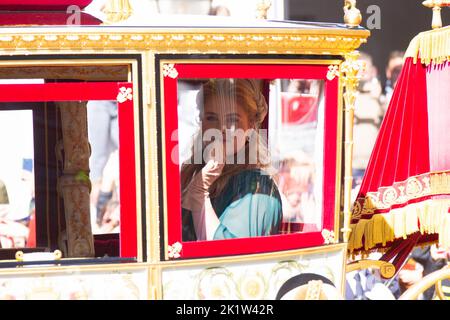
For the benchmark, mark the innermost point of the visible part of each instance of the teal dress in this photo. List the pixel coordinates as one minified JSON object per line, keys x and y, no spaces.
{"x":249,"y":206}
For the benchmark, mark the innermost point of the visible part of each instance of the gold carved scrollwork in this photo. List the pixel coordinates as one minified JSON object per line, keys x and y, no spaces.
{"x":350,"y":71}
{"x":74,"y":184}
{"x":241,"y":41}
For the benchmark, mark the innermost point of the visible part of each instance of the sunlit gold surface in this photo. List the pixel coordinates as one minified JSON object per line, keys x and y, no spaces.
{"x":350,"y":70}
{"x":387,"y":269}
{"x":189,"y":40}
{"x":352,"y":16}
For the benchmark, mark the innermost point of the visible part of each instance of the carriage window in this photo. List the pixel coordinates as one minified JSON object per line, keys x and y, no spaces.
{"x":250,"y":157}
{"x":17,"y":210}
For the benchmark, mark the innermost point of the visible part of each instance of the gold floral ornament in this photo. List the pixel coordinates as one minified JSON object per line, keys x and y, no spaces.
{"x":333,"y":72}
{"x":124,"y":95}
{"x":168,"y":70}
{"x":174,"y":250}
{"x":328,"y":236}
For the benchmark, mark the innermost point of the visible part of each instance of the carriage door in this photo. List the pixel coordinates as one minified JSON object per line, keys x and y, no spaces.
{"x":67,"y":168}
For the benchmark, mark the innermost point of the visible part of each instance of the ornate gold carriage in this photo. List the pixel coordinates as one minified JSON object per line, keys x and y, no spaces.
{"x":148,"y":72}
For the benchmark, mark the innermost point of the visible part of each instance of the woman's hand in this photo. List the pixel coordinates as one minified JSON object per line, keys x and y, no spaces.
{"x":198,"y":189}
{"x":196,"y":196}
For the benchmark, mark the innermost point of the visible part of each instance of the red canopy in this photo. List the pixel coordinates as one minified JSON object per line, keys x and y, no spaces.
{"x":404,"y":198}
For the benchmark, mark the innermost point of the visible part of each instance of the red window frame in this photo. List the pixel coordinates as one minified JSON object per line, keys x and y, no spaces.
{"x":172,"y":177}
{"x":87,"y":91}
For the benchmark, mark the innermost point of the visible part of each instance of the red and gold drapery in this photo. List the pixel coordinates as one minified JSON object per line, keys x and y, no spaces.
{"x":404,"y":198}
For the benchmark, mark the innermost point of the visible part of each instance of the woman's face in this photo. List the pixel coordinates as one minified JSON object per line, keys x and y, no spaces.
{"x":230,"y":119}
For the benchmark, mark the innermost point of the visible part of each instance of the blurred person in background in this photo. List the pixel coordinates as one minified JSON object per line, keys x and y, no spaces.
{"x":393,"y":69}
{"x":422,"y":262}
{"x":368,"y":115}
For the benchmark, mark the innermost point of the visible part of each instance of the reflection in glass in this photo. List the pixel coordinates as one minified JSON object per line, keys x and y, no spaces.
{"x":296,"y":131}
{"x":103,"y":132}
{"x":248,"y":169}
{"x":17,"y":211}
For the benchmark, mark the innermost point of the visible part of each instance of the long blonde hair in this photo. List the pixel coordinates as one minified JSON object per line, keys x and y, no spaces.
{"x":247,"y":93}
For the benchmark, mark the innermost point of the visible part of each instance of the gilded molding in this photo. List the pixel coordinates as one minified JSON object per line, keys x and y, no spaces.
{"x":201,"y":41}
{"x":74,"y":185}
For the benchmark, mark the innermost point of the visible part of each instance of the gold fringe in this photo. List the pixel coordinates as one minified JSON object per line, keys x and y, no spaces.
{"x":432,"y":46}
{"x":432,"y":215}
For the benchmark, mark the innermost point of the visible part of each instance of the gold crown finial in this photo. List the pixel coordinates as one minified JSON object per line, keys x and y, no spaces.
{"x":117,"y":10}
{"x":352,"y":17}
{"x":262,"y":7}
{"x":437,"y":6}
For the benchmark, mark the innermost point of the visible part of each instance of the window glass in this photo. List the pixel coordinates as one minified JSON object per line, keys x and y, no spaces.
{"x":103,"y":133}
{"x":17,"y":210}
{"x":250,"y":157}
